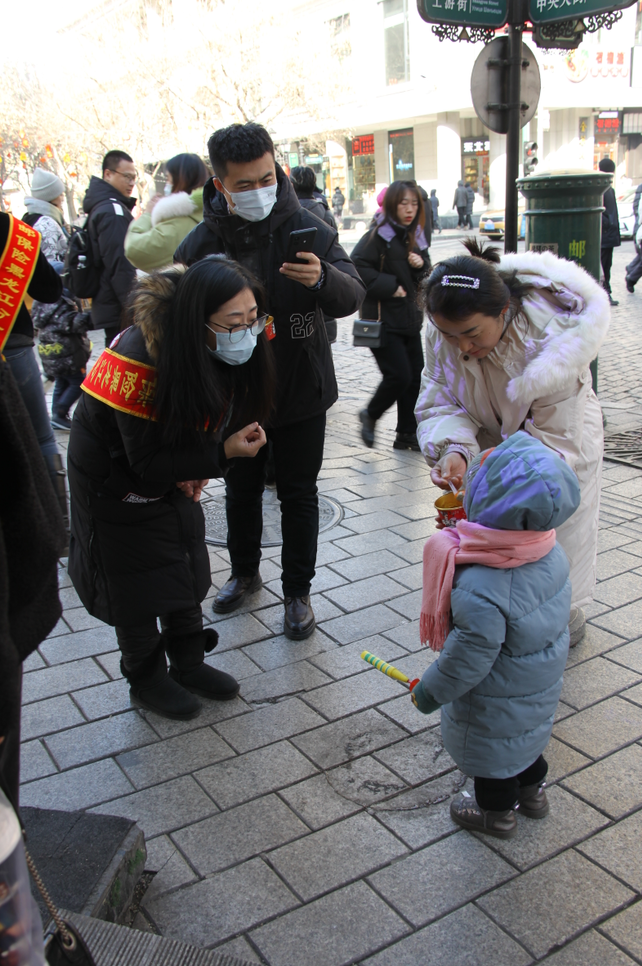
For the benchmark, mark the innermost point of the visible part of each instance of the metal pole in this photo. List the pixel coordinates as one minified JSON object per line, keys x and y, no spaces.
{"x":513,"y":137}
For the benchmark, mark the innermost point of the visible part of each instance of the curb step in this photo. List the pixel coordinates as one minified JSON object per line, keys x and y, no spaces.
{"x":89,"y":863}
{"x":113,"y":945}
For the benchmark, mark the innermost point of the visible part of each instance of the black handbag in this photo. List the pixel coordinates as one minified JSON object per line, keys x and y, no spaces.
{"x":368,"y":333}
{"x":65,"y":947}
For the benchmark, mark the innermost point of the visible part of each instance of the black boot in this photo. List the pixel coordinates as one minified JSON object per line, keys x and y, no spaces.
{"x":406,"y":441}
{"x":151,"y":687}
{"x":299,"y":618}
{"x":234,"y":591}
{"x":367,"y":428}
{"x":190,"y":671}
{"x":57,"y":474}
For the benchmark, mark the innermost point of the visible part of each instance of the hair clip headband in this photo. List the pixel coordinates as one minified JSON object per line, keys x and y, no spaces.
{"x":460,"y":281}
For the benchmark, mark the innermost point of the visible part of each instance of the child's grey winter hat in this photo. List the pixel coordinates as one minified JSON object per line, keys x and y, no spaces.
{"x":45,"y":185}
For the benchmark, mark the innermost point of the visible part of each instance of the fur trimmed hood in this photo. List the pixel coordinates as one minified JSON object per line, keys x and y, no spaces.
{"x":573,"y":314}
{"x":151,"y":303}
{"x":178,"y":205}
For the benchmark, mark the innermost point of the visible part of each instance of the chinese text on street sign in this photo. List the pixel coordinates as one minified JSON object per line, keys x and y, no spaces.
{"x":468,"y":13}
{"x":548,"y":11}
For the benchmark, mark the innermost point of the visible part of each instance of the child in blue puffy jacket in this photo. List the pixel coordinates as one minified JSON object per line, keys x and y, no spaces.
{"x":497,"y":597}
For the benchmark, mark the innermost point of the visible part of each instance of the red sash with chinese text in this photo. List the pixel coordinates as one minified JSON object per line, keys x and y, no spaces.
{"x":123,"y":384}
{"x":17,"y":266}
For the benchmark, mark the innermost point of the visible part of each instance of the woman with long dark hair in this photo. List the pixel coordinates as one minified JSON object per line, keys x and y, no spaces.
{"x":153,"y":238}
{"x":509,"y":349}
{"x":182,"y":392}
{"x":391,"y":259}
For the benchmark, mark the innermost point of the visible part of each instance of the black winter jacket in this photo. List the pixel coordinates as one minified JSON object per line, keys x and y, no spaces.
{"x":306,"y":383}
{"x":318,"y":208}
{"x":399,"y":314}
{"x":32,"y":537}
{"x":610,"y":221}
{"x":470,"y":202}
{"x":63,"y":344}
{"x":107,"y":229}
{"x":137,"y":547}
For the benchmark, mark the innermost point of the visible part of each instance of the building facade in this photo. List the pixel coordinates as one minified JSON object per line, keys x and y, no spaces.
{"x":407,"y":111}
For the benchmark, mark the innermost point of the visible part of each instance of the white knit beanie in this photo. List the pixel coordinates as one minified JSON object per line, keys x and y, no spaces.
{"x":45,"y":185}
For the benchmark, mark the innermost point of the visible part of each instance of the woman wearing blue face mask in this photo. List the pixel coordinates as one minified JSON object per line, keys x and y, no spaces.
{"x":181,"y":394}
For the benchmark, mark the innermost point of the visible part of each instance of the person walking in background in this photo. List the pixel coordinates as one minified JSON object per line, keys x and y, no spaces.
{"x":470,"y":203}
{"x":379,"y":200}
{"x":64,"y":349}
{"x":338,"y":201}
{"x":304,"y":182}
{"x":63,"y":346}
{"x":391,"y":258}
{"x":460,"y":202}
{"x":249,"y":210}
{"x":434,"y":205}
{"x":153,"y":238}
{"x":610,"y":229}
{"x":503,"y":581}
{"x":108,"y":204}
{"x":44,"y":210}
{"x":634,"y":268}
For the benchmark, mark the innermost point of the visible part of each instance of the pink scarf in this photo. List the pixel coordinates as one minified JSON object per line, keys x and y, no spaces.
{"x":470,"y":543}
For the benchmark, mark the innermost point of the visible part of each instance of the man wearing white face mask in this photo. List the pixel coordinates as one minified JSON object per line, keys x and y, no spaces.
{"x":249,"y":210}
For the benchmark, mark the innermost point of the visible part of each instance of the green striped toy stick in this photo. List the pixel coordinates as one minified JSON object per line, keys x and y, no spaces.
{"x":389,"y":670}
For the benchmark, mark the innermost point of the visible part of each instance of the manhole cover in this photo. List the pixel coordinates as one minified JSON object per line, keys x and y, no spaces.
{"x":624,"y":448}
{"x":330,"y":513}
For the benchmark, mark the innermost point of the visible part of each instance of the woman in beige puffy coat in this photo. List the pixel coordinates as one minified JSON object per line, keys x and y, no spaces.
{"x":509,"y":348}
{"x":153,"y":238}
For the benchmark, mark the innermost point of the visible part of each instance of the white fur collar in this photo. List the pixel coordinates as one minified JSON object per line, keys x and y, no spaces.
{"x":176,"y":205}
{"x":566,"y":351}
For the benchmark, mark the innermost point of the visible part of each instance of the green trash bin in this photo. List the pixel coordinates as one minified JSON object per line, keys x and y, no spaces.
{"x":564,"y":215}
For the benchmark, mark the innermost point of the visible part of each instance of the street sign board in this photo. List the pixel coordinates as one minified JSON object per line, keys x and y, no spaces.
{"x":466,"y":13}
{"x":490,"y":85}
{"x":550,"y":11}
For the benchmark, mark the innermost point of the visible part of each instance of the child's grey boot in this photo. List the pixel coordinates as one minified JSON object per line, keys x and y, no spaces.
{"x":467,"y":813}
{"x":576,"y":626}
{"x":533,"y":802}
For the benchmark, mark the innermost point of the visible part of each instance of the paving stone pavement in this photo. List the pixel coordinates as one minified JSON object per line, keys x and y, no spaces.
{"x":307,"y":821}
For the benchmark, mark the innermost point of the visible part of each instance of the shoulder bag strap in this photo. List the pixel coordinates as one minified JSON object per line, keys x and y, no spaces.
{"x":383,"y":258}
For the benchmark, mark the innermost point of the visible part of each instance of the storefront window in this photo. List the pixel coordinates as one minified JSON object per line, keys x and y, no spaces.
{"x":476,"y":163}
{"x":607,"y":133}
{"x":401,"y":152}
{"x":361,"y":157}
{"x":395,"y":34}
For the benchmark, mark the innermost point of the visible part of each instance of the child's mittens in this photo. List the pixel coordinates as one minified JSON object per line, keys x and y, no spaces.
{"x":422,"y":700}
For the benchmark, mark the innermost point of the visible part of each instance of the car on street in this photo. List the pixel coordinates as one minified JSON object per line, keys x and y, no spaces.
{"x":625,"y":211}
{"x":491,"y":222}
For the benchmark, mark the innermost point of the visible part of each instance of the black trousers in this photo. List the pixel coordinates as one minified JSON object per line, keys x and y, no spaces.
{"x":10,"y":729}
{"x":468,"y":220}
{"x":634,"y":268}
{"x":401,"y":360}
{"x":606,"y":257}
{"x":298,"y":455}
{"x":137,"y":642}
{"x":461,"y":212}
{"x":500,"y":794}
